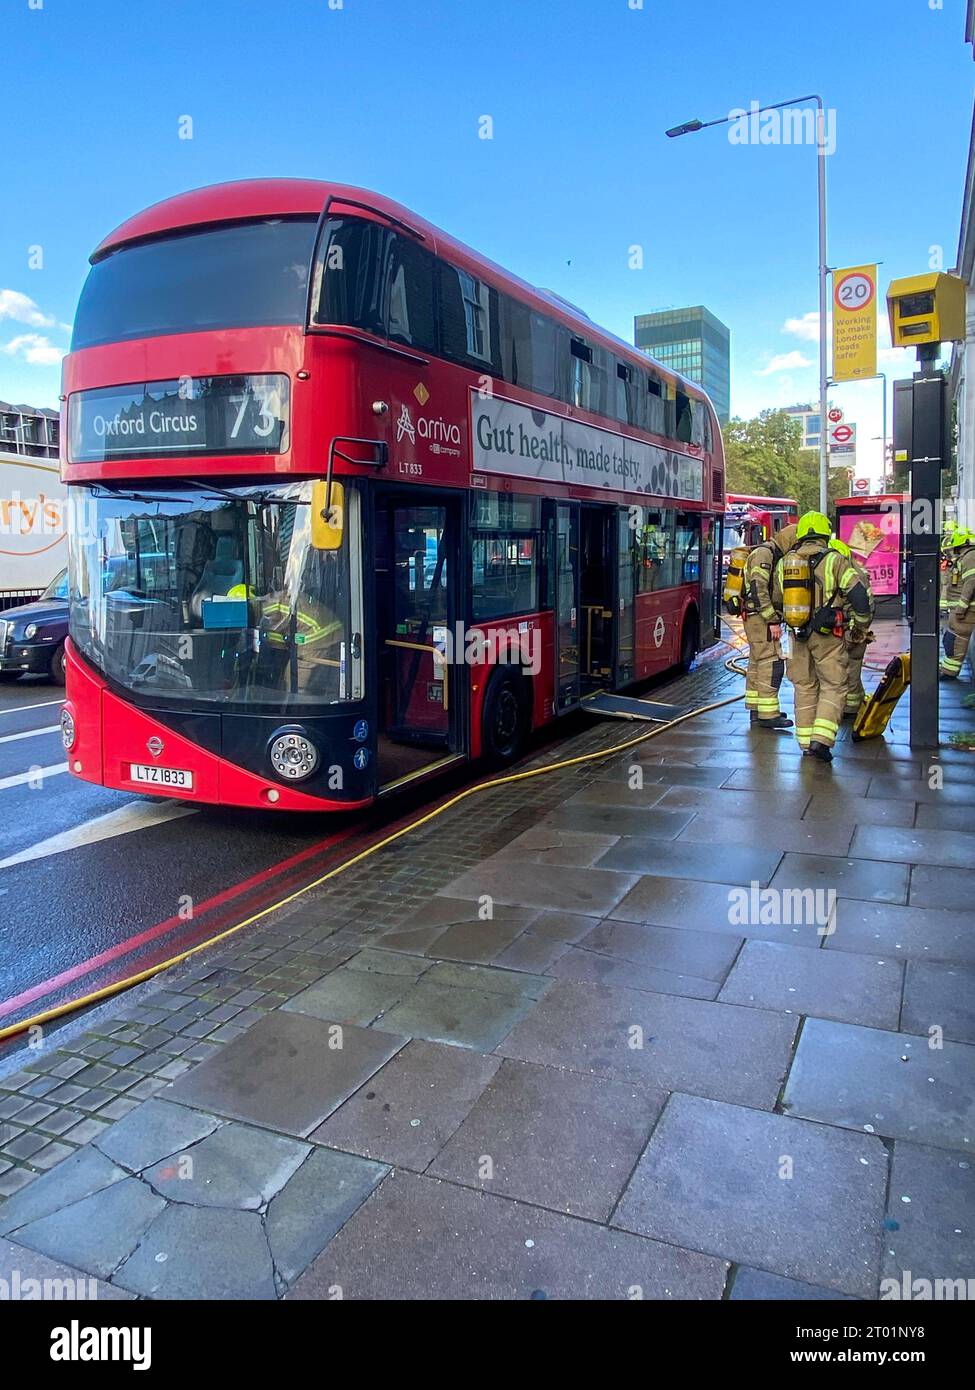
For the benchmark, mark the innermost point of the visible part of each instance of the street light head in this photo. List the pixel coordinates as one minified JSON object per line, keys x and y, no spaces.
{"x":686,"y":129}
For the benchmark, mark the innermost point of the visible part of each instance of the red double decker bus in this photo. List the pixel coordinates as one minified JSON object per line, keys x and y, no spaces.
{"x":349,"y":504}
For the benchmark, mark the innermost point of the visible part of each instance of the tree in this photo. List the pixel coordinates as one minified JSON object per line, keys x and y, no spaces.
{"x":765,"y":457}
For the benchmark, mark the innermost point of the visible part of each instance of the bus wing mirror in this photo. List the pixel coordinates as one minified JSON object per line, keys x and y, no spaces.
{"x":327,"y":516}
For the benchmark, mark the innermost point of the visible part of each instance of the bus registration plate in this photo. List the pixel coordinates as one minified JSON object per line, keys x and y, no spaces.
{"x":161,"y":776}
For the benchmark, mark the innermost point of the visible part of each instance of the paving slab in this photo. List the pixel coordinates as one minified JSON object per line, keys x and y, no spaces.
{"x":618,"y":792}
{"x":85,"y":1172}
{"x":619,"y":817}
{"x":576,"y":964}
{"x":806,"y":776}
{"x":740,"y":864}
{"x":468,"y":1005}
{"x":931,"y":817}
{"x":759,"y":1284}
{"x":730,"y":1181}
{"x":939,"y":996}
{"x":236,"y":1166}
{"x":551,"y":844}
{"x":949,"y":849}
{"x":477,"y":942}
{"x":936,"y":888}
{"x":712,"y":907}
{"x":348,"y":995}
{"x":924,"y":933}
{"x":701,"y":954}
{"x":884,"y":1082}
{"x":287,"y":1072}
{"x":480,"y":1246}
{"x":847,"y":878}
{"x":406,"y":1112}
{"x":29,"y":1276}
{"x":98,"y":1232}
{"x":153,"y":1131}
{"x":929,"y":1232}
{"x":954,"y":792}
{"x":201,"y":1252}
{"x":725,"y":801}
{"x":592,"y":891}
{"x":717,"y":1050}
{"x":554,"y":1138}
{"x":314,"y":1205}
{"x":832,"y":837}
{"x":855,"y":989}
{"x":861,"y":810}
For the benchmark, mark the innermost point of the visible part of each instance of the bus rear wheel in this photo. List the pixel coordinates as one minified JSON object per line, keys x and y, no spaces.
{"x":505,"y":723}
{"x":688,"y":642}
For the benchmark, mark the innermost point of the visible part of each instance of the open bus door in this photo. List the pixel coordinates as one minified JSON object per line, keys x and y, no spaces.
{"x":566,"y":566}
{"x":420,"y":698}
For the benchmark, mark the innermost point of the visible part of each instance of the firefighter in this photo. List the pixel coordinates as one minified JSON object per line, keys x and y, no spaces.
{"x":857,"y":638}
{"x":762,"y":622}
{"x":814,"y":587}
{"x":958,"y":602}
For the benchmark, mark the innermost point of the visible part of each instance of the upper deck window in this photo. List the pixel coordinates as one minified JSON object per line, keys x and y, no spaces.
{"x":250,"y":274}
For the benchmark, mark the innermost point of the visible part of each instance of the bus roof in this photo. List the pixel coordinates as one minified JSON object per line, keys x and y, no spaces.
{"x":253,"y":198}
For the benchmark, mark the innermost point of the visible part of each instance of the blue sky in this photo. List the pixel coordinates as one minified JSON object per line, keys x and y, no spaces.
{"x":388,"y":94}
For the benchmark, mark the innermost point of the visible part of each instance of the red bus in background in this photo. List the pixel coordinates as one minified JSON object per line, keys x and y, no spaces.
{"x":349,"y":504}
{"x":749,"y":520}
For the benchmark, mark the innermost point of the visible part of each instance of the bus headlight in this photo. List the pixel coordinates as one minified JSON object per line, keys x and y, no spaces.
{"x":69,"y":734}
{"x":293,"y":755}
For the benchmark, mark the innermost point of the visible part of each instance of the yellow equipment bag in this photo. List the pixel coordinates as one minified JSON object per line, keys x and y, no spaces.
{"x":873,"y":716}
{"x":797,"y":590}
{"x":733,"y":580}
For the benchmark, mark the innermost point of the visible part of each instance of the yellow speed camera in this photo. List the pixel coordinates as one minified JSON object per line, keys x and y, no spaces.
{"x":926,"y":309}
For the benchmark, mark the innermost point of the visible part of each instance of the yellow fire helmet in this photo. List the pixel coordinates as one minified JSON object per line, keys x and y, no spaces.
{"x":813,"y":524}
{"x":959,"y":537}
{"x":836,"y":544}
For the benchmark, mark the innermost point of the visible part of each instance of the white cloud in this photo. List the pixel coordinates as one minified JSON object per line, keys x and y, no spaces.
{"x":22,"y":309}
{"x":806,"y":328}
{"x":35,"y":349}
{"x":785,"y":362}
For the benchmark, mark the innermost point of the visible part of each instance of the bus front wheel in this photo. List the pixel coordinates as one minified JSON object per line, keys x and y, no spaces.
{"x":505,"y":724}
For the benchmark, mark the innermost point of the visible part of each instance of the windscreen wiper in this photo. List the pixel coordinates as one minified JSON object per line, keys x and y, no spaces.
{"x":131,"y":495}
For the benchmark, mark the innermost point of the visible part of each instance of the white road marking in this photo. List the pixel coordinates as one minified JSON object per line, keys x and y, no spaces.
{"x":134,"y":815}
{"x":41,"y":704}
{"x":29,"y":733}
{"x":33,"y":775}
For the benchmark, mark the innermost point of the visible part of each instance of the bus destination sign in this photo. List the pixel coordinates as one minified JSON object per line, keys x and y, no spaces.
{"x":190,"y":415}
{"x":511,"y":438}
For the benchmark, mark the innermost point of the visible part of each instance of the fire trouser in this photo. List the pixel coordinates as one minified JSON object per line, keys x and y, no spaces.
{"x":765,"y":669}
{"x":818,"y":669}
{"x":855,"y":693}
{"x":955,"y":643}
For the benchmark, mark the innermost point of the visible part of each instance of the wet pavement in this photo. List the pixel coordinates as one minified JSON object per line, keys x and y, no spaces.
{"x":693,"y":1020}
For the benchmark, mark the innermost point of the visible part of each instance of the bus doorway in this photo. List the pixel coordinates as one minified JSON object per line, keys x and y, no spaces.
{"x":597,"y":542}
{"x":415,"y":550}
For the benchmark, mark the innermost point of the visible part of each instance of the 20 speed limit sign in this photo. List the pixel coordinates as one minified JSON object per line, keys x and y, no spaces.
{"x":854,"y":292}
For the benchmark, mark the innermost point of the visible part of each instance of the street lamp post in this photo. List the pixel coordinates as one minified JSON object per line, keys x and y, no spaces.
{"x":689,"y":128}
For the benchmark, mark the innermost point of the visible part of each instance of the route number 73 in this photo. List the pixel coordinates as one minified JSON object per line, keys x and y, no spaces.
{"x":267,"y":423}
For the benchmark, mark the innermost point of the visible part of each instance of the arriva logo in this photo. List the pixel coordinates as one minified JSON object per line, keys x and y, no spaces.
{"x":436,"y":430}
{"x":404,"y":425}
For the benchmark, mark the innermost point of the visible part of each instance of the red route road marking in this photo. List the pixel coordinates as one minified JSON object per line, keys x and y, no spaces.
{"x":132,"y":943}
